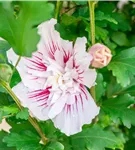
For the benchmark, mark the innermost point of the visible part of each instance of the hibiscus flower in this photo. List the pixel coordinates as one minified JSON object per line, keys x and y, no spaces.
{"x":54,"y":80}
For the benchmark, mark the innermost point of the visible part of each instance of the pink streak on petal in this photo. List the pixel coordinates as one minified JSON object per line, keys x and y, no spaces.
{"x":81,"y":101}
{"x":40,"y":94}
{"x":76,"y":100}
{"x":83,"y":90}
{"x":37,"y":64}
{"x":68,"y":108}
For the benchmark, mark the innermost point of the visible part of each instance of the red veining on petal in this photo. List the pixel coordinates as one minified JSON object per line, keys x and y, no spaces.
{"x":40,"y":95}
{"x":66,"y":56}
{"x":36,"y":57}
{"x":80,"y":72}
{"x":44,"y":104}
{"x":39,"y":53}
{"x":54,"y":46}
{"x":81,"y":101}
{"x":38,"y":65}
{"x":83,"y":90}
{"x":37,"y":68}
{"x":68,"y":108}
{"x":76,"y":100}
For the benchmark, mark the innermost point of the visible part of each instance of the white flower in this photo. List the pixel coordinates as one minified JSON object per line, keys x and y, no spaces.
{"x":54,"y":80}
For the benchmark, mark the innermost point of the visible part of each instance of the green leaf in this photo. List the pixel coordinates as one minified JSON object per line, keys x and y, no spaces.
{"x":12,"y":109}
{"x":3,"y":146}
{"x":101,"y":34}
{"x":19,"y":125}
{"x":120,"y":38}
{"x":5,"y":72}
{"x":4,"y":46}
{"x":110,"y":44}
{"x":107,"y":8}
{"x":68,"y":20}
{"x":2,"y":89}
{"x":66,"y":30}
{"x":123,"y":65}
{"x":54,"y":146}
{"x":123,"y":22}
{"x":4,"y":99}
{"x":95,"y":138}
{"x":118,"y":108}
{"x":130,"y":144}
{"x":26,"y":140}
{"x":15,"y":79}
{"x":80,"y":2}
{"x":114,"y":88}
{"x":100,"y":87}
{"x":5,"y":111}
{"x":49,"y":129}
{"x":23,"y":114}
{"x":99,"y":15}
{"x":1,"y":115}
{"x":19,"y":29}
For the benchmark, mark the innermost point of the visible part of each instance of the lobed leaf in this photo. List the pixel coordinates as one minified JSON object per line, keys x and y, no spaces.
{"x":95,"y":138}
{"x":19,"y":27}
{"x":123,"y":65}
{"x":119,"y":108}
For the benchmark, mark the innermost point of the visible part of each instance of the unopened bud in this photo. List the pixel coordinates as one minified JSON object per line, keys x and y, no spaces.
{"x":101,"y":55}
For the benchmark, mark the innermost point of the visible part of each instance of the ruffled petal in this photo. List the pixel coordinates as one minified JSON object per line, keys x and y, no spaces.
{"x":74,"y":116}
{"x":81,"y":57}
{"x":37,"y":101}
{"x":32,"y":70}
{"x":58,"y":106}
{"x":51,"y":42}
{"x":88,"y":78}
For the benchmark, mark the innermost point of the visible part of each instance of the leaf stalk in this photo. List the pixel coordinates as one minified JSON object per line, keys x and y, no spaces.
{"x":92,"y":34}
{"x":58,"y":4}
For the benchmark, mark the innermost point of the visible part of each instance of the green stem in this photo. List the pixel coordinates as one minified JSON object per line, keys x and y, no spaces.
{"x":92,"y":34}
{"x":92,"y":20}
{"x":58,"y":3}
{"x":58,"y":7}
{"x":31,"y":120}
{"x":18,"y":60}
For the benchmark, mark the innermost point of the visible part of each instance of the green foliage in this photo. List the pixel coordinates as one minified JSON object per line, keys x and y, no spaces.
{"x":120,"y":39}
{"x":4,"y":46}
{"x":123,"y":23}
{"x":5,"y":72}
{"x":54,"y":146}
{"x":26,"y":140}
{"x":15,"y":79}
{"x":3,"y":145}
{"x":123,"y":65}
{"x":4,"y":100}
{"x":6,"y":111}
{"x":130,"y":145}
{"x":100,"y":87}
{"x":19,"y":27}
{"x":118,"y":108}
{"x":95,"y":138}
{"x":23,"y":114}
{"x":80,"y":2}
{"x":114,"y":88}
{"x":101,"y":16}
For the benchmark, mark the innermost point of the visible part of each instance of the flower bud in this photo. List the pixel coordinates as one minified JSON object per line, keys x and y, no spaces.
{"x":101,"y":55}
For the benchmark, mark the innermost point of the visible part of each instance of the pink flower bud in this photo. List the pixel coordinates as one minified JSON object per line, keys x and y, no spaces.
{"x":101,"y":55}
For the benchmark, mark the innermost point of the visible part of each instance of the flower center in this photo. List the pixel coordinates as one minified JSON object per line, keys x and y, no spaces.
{"x":62,"y":79}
